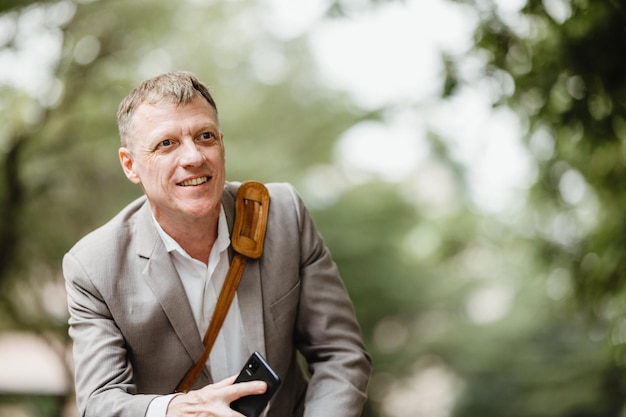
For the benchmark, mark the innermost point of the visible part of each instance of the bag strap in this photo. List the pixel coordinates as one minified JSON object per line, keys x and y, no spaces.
{"x":251,"y":211}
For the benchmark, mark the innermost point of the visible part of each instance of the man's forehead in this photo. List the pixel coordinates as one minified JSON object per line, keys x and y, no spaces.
{"x":166,"y":117}
{"x":169,"y":106}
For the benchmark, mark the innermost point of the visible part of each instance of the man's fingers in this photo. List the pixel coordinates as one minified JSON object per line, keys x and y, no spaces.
{"x":230,"y":391}
{"x":243,"y":389}
{"x":226,"y":381}
{"x":248,"y":388}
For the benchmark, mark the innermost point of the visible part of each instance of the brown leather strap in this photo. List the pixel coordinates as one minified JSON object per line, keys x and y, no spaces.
{"x":221,"y":309}
{"x":251,"y":211}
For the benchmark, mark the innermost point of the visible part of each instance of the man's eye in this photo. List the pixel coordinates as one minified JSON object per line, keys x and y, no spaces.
{"x":166,"y":142}
{"x":207,"y":135}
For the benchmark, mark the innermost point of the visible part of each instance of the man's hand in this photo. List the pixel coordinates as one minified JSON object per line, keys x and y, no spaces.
{"x":213,"y":400}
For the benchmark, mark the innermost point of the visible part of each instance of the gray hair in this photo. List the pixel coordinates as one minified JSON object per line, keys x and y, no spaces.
{"x":179,"y":87}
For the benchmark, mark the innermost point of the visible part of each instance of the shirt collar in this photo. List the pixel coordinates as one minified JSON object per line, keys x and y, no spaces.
{"x":221,"y":243}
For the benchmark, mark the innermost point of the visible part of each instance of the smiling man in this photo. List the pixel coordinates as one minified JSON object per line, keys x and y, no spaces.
{"x":143,"y":287}
{"x":176,"y":153}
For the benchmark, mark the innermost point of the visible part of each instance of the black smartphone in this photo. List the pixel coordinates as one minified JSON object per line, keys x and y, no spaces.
{"x":256,"y":368}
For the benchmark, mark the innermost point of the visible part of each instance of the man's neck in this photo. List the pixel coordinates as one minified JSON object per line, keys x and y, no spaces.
{"x":195,"y":237}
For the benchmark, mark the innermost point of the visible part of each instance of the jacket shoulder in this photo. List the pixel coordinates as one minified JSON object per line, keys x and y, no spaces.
{"x":110,"y":233}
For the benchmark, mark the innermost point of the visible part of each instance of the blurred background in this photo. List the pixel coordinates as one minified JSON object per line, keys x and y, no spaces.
{"x":465,"y":161}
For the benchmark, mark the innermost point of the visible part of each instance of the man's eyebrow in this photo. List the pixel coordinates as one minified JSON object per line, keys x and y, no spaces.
{"x":161,"y":133}
{"x":206,"y":126}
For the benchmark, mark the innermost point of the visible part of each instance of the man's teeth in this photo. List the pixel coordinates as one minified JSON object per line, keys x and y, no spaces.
{"x":194,"y":181}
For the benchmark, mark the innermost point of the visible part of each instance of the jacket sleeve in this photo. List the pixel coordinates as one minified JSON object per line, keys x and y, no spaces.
{"x":103,"y":373}
{"x":327,"y":332}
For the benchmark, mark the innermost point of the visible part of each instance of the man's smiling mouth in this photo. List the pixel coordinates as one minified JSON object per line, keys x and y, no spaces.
{"x":194,"y":181}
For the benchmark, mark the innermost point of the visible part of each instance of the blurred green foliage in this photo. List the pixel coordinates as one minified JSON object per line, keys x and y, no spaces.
{"x":423,"y":276}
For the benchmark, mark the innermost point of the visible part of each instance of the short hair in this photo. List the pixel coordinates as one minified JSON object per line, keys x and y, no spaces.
{"x":178,"y":87}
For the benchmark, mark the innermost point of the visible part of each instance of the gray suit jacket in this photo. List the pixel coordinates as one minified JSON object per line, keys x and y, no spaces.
{"x":134,"y":333}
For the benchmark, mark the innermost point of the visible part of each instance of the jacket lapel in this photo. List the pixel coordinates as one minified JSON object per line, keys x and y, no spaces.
{"x":161,"y":276}
{"x":251,"y":307}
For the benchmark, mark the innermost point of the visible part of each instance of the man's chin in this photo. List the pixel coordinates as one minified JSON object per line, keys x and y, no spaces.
{"x":200,"y":210}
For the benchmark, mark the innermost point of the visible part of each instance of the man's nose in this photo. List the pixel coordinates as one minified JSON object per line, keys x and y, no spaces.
{"x":191,"y":154}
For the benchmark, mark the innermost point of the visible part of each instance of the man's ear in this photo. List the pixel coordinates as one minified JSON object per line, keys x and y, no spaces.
{"x":126,"y":159}
{"x":223,"y":147}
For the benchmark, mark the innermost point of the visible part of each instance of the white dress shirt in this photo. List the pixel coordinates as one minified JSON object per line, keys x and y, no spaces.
{"x":202,"y":285}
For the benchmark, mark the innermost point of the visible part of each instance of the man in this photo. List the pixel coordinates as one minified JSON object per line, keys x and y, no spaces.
{"x":141,"y":289}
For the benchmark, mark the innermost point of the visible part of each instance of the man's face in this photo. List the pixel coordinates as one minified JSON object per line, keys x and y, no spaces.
{"x":176,"y":153}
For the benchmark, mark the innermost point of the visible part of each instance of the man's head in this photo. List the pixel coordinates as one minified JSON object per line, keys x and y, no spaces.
{"x":179,"y":87}
{"x":172,"y":146}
